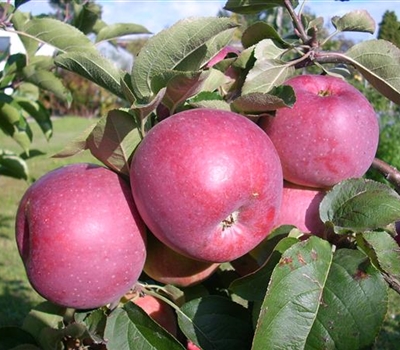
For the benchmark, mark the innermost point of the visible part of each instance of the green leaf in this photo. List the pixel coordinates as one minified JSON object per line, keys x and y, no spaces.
{"x":354,"y":304}
{"x":47,"y":81}
{"x":13,"y":165}
{"x":14,"y":124}
{"x":360,"y":205}
{"x":260,"y":31}
{"x":116,"y":30}
{"x":378,"y":61}
{"x":169,"y":48}
{"x":19,"y":20}
{"x":254,"y":286}
{"x":320,"y":300}
{"x":42,"y":320}
{"x":94,"y":67}
{"x":354,"y":21}
{"x":387,"y":253}
{"x":10,"y":337}
{"x":180,"y":86}
{"x":113,"y":140}
{"x":86,"y":16}
{"x":37,"y":111}
{"x":130,"y":328}
{"x":214,"y":322}
{"x":269,"y":70}
{"x":95,"y":323}
{"x":60,"y":35}
{"x":254,"y":6}
{"x":257,"y":103}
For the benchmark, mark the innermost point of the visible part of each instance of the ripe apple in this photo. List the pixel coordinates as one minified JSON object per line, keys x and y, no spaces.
{"x":169,"y":267}
{"x":159,"y":311}
{"x":80,"y":237}
{"x":300,"y":208}
{"x":208,"y":183}
{"x":329,"y":135}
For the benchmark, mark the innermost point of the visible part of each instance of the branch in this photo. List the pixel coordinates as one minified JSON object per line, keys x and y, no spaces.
{"x":390,"y":173}
{"x":299,"y":28}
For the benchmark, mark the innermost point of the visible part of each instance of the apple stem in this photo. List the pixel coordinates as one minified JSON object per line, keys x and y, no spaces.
{"x":390,"y":173}
{"x":147,"y":289}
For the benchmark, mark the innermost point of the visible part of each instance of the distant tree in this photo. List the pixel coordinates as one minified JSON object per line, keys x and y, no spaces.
{"x":389,"y":28}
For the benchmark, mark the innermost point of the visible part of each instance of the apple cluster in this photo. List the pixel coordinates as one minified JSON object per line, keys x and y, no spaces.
{"x":205,"y":186}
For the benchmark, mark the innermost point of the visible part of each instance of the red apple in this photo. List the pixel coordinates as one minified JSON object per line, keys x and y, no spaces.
{"x":80,"y":236}
{"x":159,"y":311}
{"x":208,"y":183}
{"x":169,"y":267}
{"x":331,"y":133}
{"x":300,"y":208}
{"x":191,"y":346}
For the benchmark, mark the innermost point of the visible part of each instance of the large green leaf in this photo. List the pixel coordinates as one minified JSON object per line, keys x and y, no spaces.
{"x":113,"y":140}
{"x":116,"y":30}
{"x":86,"y":16}
{"x":94,"y":67}
{"x":13,"y":165}
{"x":387,"y":254}
{"x":359,"y":205}
{"x":257,"y":103}
{"x":60,"y":35}
{"x":130,"y":328}
{"x":169,"y":48}
{"x":318,"y":299}
{"x":378,"y":61}
{"x":260,"y":31}
{"x":19,"y":20}
{"x":254,"y":6}
{"x":254,"y":286}
{"x":47,"y":80}
{"x":37,"y":111}
{"x":355,"y":21}
{"x":13,"y":123}
{"x":269,"y":71}
{"x":215,"y":322}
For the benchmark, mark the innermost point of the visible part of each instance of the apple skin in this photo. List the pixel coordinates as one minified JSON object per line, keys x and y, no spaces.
{"x":166,"y":266}
{"x":300,"y":208}
{"x":80,"y":237}
{"x":208,"y":183}
{"x":331,"y":133}
{"x":159,"y":311}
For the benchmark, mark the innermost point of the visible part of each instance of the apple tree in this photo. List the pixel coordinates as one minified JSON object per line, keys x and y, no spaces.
{"x":27,"y":73}
{"x":318,"y":286}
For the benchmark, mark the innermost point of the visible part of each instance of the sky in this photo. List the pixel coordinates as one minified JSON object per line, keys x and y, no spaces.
{"x":156,"y":15}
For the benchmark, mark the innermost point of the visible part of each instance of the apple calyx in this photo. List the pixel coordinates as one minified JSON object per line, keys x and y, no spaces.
{"x":230,"y":220}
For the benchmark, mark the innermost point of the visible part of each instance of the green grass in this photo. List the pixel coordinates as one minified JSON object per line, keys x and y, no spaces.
{"x":16,"y":295}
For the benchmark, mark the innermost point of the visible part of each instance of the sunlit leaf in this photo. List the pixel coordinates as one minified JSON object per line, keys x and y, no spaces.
{"x":260,"y":31}
{"x":47,"y":81}
{"x":58,"y":34}
{"x":39,"y":113}
{"x":254,"y":6}
{"x":355,"y":21}
{"x":86,"y":16}
{"x":116,"y":30}
{"x":92,"y":66}
{"x":113,"y":140}
{"x":13,"y":165}
{"x":259,"y":103}
{"x":170,"y":47}
{"x":319,"y":299}
{"x":130,"y":328}
{"x":378,"y":61}
{"x":360,"y":205}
